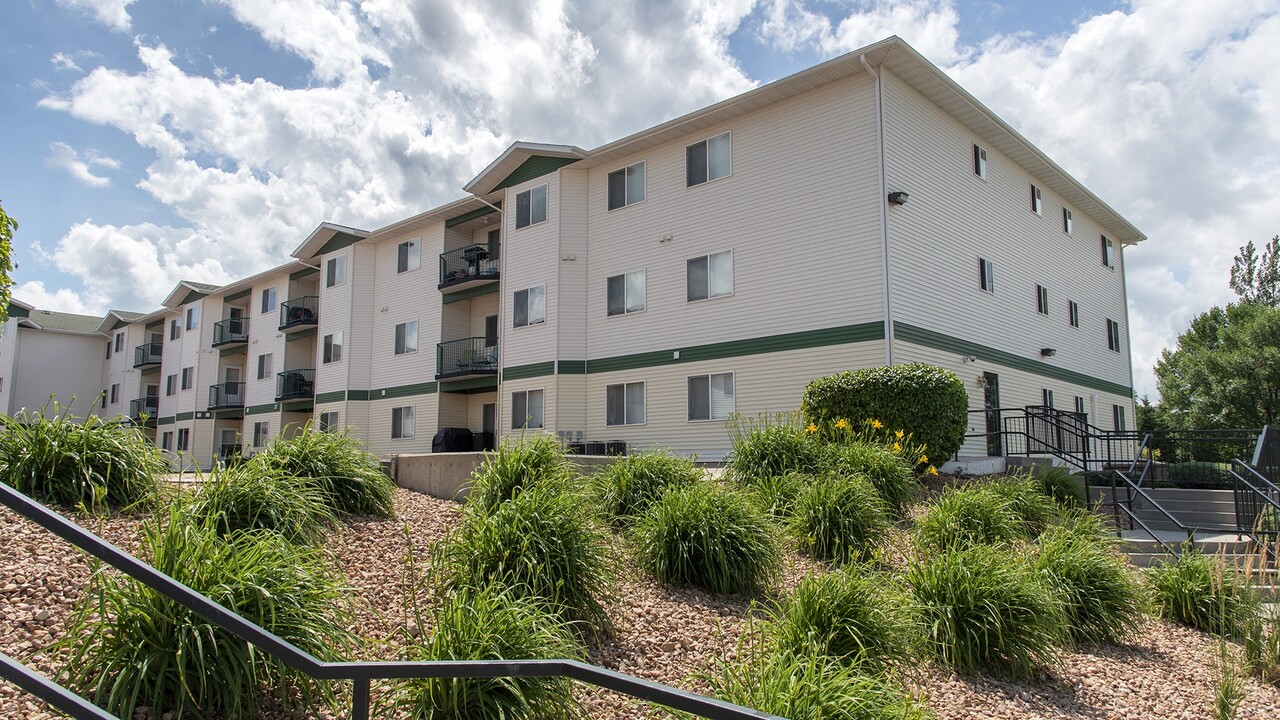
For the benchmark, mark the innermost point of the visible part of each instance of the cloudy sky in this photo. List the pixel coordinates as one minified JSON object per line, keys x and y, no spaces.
{"x":145,"y":141}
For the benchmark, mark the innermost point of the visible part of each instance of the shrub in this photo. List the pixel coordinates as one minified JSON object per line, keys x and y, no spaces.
{"x":928,"y":402}
{"x":853,"y":615}
{"x":770,"y":445}
{"x":68,"y":461}
{"x":839,"y":517}
{"x":350,"y":479}
{"x":490,"y":623}
{"x":130,"y":646}
{"x":777,"y":494}
{"x":891,"y":475}
{"x":1204,"y":592}
{"x":709,"y":537}
{"x":1099,"y":597}
{"x":1034,"y":509}
{"x":246,"y":498}
{"x":629,"y":485}
{"x":543,"y":543}
{"x":516,"y":466}
{"x":967,"y":516}
{"x":1064,"y":486}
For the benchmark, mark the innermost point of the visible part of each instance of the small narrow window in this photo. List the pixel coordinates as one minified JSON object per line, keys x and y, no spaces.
{"x":1073,"y":313}
{"x":986,"y":275}
{"x":624,"y":404}
{"x":170,"y":385}
{"x":184,"y":439}
{"x":115,"y":393}
{"x":260,"y":432}
{"x":119,"y":341}
{"x":531,"y":207}
{"x":408,"y":255}
{"x":979,"y":162}
{"x":625,"y":293}
{"x":402,"y":422}
{"x":1117,"y":417}
{"x":193,"y":318}
{"x":264,"y":366}
{"x":1113,"y":335}
{"x":1080,"y":408}
{"x":175,"y":329}
{"x":709,"y":276}
{"x":710,"y":396}
{"x":108,"y":349}
{"x":529,"y":306}
{"x":626,"y":186}
{"x":1107,"y":249}
{"x":102,"y":400}
{"x":332,"y":352}
{"x":1066,"y":221}
{"x":1037,"y":202}
{"x":188,"y":377}
{"x":406,"y":338}
{"x":166,"y":441}
{"x":526,"y":409}
{"x":1046,"y":397}
{"x":269,"y":299}
{"x":335,"y":272}
{"x":1042,"y":300}
{"x":708,"y":160}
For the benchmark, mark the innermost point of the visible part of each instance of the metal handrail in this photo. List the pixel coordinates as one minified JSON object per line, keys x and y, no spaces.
{"x":50,"y":691}
{"x":360,"y":673}
{"x":1132,"y":487}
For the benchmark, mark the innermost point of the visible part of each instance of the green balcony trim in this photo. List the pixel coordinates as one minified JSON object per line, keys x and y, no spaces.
{"x":571,"y":367}
{"x":534,"y":166}
{"x":300,"y":335}
{"x":532,"y":370}
{"x":238,"y":296}
{"x":470,"y":292}
{"x":166,"y":420}
{"x":469,"y":216}
{"x":331,"y":397}
{"x":470,"y":385}
{"x":939,"y":341}
{"x":305,"y":272}
{"x":261,"y":409}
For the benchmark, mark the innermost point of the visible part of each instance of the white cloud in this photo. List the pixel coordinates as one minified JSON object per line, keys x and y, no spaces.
{"x":35,"y":293}
{"x":63,"y":61}
{"x":928,"y":25}
{"x":64,"y":157}
{"x":112,"y":13}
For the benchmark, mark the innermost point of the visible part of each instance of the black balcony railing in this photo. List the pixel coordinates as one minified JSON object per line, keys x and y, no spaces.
{"x":299,"y":312}
{"x":473,"y":262}
{"x":226,"y":395}
{"x":148,"y":354}
{"x":144,"y":405}
{"x":468,"y":356}
{"x":295,"y":384}
{"x":231,"y":330}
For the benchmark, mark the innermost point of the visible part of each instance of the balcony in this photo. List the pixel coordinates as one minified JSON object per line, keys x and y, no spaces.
{"x":468,"y":267}
{"x":226,"y":395}
{"x":301,"y":312}
{"x":468,"y":357}
{"x":296,"y":384}
{"x":149,"y":406}
{"x":147,"y":355}
{"x":232,"y":331}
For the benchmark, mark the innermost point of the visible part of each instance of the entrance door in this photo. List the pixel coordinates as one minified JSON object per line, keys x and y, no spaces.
{"x":991,"y":401}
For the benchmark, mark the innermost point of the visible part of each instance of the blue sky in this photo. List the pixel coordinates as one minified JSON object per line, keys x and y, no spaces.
{"x":152,"y":140}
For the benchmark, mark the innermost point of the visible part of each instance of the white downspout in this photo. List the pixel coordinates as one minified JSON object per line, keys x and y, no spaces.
{"x":884,"y":217}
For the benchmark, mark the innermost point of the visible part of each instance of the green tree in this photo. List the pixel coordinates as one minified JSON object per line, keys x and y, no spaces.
{"x":7,"y":227}
{"x":1256,"y":278}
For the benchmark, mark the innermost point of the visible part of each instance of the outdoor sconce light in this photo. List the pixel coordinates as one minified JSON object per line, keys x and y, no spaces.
{"x":968,"y":358}
{"x":1048,"y":352}
{"x":898,"y":198}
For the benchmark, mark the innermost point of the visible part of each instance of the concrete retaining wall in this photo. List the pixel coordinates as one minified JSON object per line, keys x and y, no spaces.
{"x":448,"y":475}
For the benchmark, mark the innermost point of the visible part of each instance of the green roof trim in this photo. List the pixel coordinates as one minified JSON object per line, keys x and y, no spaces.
{"x":305,"y":272}
{"x":337,"y":242}
{"x":939,"y":341}
{"x":471,"y":292}
{"x":532,"y":370}
{"x":240,"y":295}
{"x":534,"y":167}
{"x":469,"y":216}
{"x":119,"y":324}
{"x":571,"y":367}
{"x":17,"y":312}
{"x":331,"y":397}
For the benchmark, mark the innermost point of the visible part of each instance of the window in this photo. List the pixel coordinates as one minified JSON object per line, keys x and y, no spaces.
{"x":329,"y":421}
{"x":260,"y":432}
{"x":710,"y":396}
{"x":268,"y":299}
{"x":175,"y":329}
{"x":115,"y":393}
{"x":1042,"y":300}
{"x":710,"y":276}
{"x":407,"y":337}
{"x":193,"y":318}
{"x":102,"y":399}
{"x":332,"y":348}
{"x":626,"y":186}
{"x":1046,"y":397}
{"x":188,"y":377}
{"x":526,"y":409}
{"x":1108,"y":248}
{"x":1117,"y":417}
{"x":530,"y":307}
{"x":184,"y":439}
{"x":264,"y":366}
{"x":707,"y":160}
{"x":1037,"y":202}
{"x":1066,"y":221}
{"x":166,"y":440}
{"x":531,"y":207}
{"x":409,"y":255}
{"x":1113,"y":335}
{"x":335,"y":271}
{"x":626,"y":293}
{"x":1080,"y":406}
{"x":979,"y":162}
{"x":624,"y":404}
{"x":986,"y":275}
{"x":170,"y":385}
{"x":402,"y":422}
{"x":108,"y":349}
{"x":1073,"y":313}
{"x":119,"y":341}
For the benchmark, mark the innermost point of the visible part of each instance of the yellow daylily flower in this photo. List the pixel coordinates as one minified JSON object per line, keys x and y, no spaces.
{"x":899,"y":434}
{"x":924,"y":459}
{"x":811,"y":429}
{"x":932,"y":470}
{"x":842,"y":424}
{"x":877,"y":424}
{"x":897,"y":447}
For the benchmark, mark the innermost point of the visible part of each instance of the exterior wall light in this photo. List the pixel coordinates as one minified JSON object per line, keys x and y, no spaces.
{"x":1048,"y":352}
{"x":898,"y":198}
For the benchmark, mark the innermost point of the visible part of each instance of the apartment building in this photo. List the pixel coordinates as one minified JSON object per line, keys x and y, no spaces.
{"x":866,"y":211}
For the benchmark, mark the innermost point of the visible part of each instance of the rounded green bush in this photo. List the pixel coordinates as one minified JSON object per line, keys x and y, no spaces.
{"x":709,"y":537}
{"x":980,"y":608}
{"x":769,"y":446}
{"x":928,"y":402}
{"x":245,"y":498}
{"x":1100,"y":598}
{"x":893,"y":477}
{"x":518,"y":464}
{"x":350,"y":479}
{"x":1203,"y":592}
{"x":966,"y":516}
{"x":839,"y":517}
{"x":631,"y":483}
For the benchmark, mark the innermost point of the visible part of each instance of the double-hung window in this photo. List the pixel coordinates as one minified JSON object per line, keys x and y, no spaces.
{"x":1037,"y":201}
{"x":710,"y":276}
{"x":708,"y":160}
{"x":1073,"y":313}
{"x":115,"y":393}
{"x":526,"y":409}
{"x":269,"y":299}
{"x":335,"y":271}
{"x":1117,"y":417}
{"x":1108,"y":253}
{"x":626,"y":293}
{"x":184,"y":439}
{"x":409,"y":255}
{"x":711,"y":396}
{"x":1066,"y":221}
{"x":1042,"y":299}
{"x":1046,"y":397}
{"x":986,"y":275}
{"x":332,"y":352}
{"x":119,"y":341}
{"x":530,"y":306}
{"x":531,"y":207}
{"x":188,"y":377}
{"x":260,"y":432}
{"x":402,"y":422}
{"x":979,"y":162}
{"x":1080,"y":406}
{"x":175,"y":329}
{"x":166,"y":440}
{"x":1113,"y":335}
{"x":264,"y":366}
{"x":193,"y":318}
{"x":626,"y":186}
{"x":407,"y":337}
{"x":170,"y":385}
{"x":624,"y":404}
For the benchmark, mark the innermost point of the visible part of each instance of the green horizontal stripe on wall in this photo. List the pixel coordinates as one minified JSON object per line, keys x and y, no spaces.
{"x":237,"y":296}
{"x":571,"y":367}
{"x":184,"y":416}
{"x":331,"y":397}
{"x":940,"y":341}
{"x":166,"y":420}
{"x":400,"y":391}
{"x":532,"y":370}
{"x":261,"y":409}
{"x":844,"y":335}
{"x":471,"y":292}
{"x":358,"y":395}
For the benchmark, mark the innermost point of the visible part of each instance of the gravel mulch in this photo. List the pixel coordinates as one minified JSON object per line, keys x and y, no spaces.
{"x":664,"y":634}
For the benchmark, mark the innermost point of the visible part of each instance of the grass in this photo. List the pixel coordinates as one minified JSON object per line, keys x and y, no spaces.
{"x":1203,"y":592}
{"x":771,"y":445}
{"x":1100,"y":597}
{"x":349,"y":479}
{"x":244,"y":497}
{"x":777,"y":494}
{"x":73,"y":462}
{"x":1035,"y":510}
{"x":839,"y":517}
{"x":966,"y":516}
{"x":516,"y":466}
{"x":709,"y":537}
{"x":131,"y":646}
{"x":1063,"y":486}
{"x":893,"y":477}
{"x":1228,"y":683}
{"x":630,"y":484}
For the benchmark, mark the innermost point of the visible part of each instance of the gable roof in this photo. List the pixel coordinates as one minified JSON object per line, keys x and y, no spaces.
{"x":182,"y":292}
{"x":62,"y":322}
{"x":114,"y":318}
{"x":328,"y":237}
{"x":520,"y":162}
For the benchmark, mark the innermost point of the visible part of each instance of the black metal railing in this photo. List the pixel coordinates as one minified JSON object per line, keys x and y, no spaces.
{"x":299,"y":312}
{"x":1257,"y":504}
{"x":149,"y":405}
{"x":147,"y":354}
{"x":231,"y":330}
{"x":1266,"y":454}
{"x":226,"y":395}
{"x":473,"y":262}
{"x":295,"y":384}
{"x":468,"y":356}
{"x":360,"y":674}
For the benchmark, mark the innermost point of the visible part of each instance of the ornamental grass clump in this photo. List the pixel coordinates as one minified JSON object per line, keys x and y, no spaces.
{"x":771,"y":445}
{"x":709,"y":537}
{"x":73,"y":462}
{"x":1203,"y":592}
{"x":1064,"y":486}
{"x":966,"y":516}
{"x":839,"y":517}
{"x":1099,"y":596}
{"x":128,"y":646}
{"x":891,"y":474}
{"x":517,"y":465}
{"x":490,"y":623}
{"x":630,"y":484}
{"x":349,"y":479}
{"x":777,"y":494}
{"x":1035,"y":510}
{"x":979,"y":608}
{"x":246,"y":498}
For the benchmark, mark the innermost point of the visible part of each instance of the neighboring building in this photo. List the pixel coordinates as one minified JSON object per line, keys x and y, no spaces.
{"x":44,"y":353}
{"x":862,"y":212}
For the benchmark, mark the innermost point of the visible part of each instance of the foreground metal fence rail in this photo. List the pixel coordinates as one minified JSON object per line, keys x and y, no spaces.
{"x":359,"y":673}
